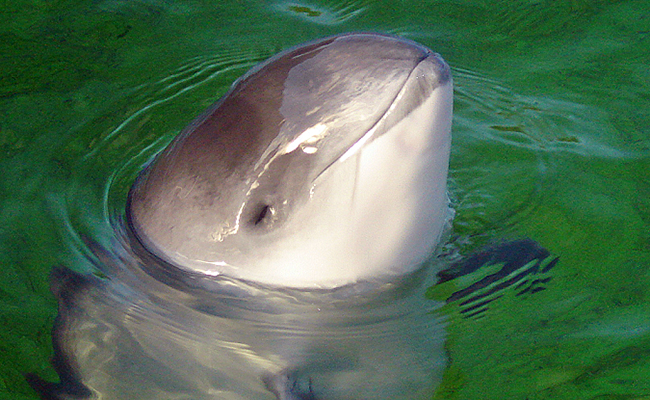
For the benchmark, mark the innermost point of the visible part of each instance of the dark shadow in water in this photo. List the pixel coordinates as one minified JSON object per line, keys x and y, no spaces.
{"x":522,"y":264}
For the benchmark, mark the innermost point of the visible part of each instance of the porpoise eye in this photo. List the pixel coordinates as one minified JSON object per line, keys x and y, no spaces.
{"x":263,"y":212}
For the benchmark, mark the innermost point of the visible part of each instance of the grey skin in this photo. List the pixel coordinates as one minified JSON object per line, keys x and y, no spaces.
{"x":323,"y":166}
{"x":275,"y":248}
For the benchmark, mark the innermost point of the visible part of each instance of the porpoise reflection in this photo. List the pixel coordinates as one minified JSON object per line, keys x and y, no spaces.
{"x":274,"y":249}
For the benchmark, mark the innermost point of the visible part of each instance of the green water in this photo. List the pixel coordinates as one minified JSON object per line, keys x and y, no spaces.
{"x":551,"y":141}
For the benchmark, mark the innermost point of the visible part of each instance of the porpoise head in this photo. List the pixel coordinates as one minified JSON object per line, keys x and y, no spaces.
{"x":325,"y":165}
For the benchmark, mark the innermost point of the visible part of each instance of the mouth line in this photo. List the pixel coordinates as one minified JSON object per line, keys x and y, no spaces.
{"x":369,"y":135}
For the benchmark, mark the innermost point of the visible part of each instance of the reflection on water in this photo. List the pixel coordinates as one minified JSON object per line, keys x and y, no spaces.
{"x":138,"y":329}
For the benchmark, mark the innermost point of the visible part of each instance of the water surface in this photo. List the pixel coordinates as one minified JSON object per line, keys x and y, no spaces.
{"x":550,"y":142}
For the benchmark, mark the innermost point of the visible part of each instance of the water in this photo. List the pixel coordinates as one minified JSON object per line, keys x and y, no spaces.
{"x":550,"y":142}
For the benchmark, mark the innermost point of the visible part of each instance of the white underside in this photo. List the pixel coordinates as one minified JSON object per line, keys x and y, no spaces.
{"x":379,"y":212}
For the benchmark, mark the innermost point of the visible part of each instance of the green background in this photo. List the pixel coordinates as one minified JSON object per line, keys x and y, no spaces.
{"x":551,"y":141}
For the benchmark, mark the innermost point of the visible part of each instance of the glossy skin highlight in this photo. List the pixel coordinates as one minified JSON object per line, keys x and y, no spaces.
{"x":323,"y":166}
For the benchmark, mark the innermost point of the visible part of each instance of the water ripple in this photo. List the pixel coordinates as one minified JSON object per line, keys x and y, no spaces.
{"x":323,"y":14}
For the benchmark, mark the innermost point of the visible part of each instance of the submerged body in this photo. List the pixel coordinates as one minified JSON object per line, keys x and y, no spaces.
{"x":138,"y":338}
{"x":274,"y":249}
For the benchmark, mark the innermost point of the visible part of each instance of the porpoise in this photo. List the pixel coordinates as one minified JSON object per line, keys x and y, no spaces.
{"x":325,"y":165}
{"x":275,"y":248}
